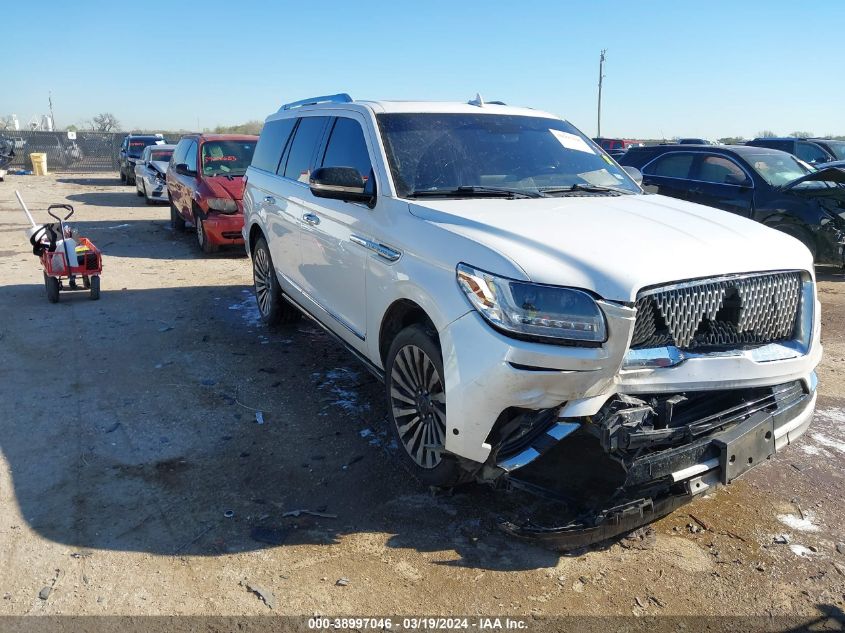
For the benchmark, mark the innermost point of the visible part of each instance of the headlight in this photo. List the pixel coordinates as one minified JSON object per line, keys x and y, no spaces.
{"x":533,"y":310}
{"x":224,"y":205}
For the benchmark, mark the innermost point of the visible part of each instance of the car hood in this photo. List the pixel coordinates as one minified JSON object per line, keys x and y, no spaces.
{"x":160,"y":165}
{"x":222,"y":187}
{"x":614,"y":246}
{"x":827,"y":174}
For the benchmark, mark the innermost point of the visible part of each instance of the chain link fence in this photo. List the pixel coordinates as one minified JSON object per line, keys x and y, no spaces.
{"x":89,"y":151}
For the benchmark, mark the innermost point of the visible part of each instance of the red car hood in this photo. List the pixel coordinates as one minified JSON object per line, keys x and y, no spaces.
{"x":222,"y":187}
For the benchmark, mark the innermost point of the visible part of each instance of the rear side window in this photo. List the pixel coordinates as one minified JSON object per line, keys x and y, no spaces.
{"x":304,"y":147}
{"x":670,"y":166}
{"x":347,"y":147}
{"x":271,"y":144}
{"x":720,"y":170}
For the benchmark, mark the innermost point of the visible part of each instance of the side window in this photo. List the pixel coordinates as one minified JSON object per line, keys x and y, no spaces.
{"x":811,"y":153}
{"x":303,"y":147}
{"x":191,"y":156}
{"x":179,"y":152}
{"x":271,"y":144}
{"x":720,"y":170}
{"x":347,"y":147}
{"x":670,"y":166}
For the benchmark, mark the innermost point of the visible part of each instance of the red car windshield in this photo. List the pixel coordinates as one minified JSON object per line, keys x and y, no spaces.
{"x":226,"y":158}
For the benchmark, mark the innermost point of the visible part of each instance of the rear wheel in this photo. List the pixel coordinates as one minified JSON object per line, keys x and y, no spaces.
{"x":416,"y":396}
{"x":122,"y":176}
{"x":94,"y":283}
{"x":52,"y":285}
{"x":272,"y":306}
{"x":177,"y":222}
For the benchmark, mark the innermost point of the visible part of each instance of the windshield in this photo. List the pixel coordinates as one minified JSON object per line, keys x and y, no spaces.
{"x":430,"y":152}
{"x":226,"y":158}
{"x":137,"y":145}
{"x":777,"y":169}
{"x":161,"y":155}
{"x":837,"y":147}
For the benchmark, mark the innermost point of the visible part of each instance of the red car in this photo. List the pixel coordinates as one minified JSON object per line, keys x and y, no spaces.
{"x":205,"y":182}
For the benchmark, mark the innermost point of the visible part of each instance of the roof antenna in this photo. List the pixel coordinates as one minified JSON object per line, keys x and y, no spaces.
{"x":478,"y":101}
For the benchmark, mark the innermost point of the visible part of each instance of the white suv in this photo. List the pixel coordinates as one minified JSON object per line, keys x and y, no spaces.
{"x":536,"y":318}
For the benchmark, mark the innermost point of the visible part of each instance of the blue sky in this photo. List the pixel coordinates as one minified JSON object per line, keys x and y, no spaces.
{"x":712,"y":69}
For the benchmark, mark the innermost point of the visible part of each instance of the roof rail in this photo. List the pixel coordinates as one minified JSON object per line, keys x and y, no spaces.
{"x":341,"y":97}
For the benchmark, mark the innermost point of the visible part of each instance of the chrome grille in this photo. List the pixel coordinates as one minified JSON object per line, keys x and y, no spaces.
{"x":721,"y":312}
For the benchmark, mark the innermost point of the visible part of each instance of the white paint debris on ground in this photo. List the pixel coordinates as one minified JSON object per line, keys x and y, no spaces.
{"x":826,"y":437}
{"x":796,"y":522}
{"x":800,"y":550}
{"x":342,"y":384}
{"x":248,"y":309}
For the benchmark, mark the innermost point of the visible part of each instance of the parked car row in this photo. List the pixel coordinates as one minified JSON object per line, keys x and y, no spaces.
{"x":538,"y":320}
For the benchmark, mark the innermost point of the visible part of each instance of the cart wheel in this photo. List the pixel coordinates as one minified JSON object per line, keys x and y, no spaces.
{"x":52,"y":285}
{"x":95,"y":287}
{"x":86,"y":282}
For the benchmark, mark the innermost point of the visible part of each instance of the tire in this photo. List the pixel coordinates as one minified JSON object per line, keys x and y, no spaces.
{"x":177,"y":222}
{"x":94,"y":282}
{"x":272,"y":306}
{"x":799,"y":234}
{"x":52,"y":286}
{"x":203,"y":242}
{"x":416,"y":405}
{"x":122,"y":177}
{"x":138,"y":191}
{"x":86,"y":282}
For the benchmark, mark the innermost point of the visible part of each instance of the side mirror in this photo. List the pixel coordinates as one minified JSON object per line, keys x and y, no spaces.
{"x":340,"y":183}
{"x":182,"y":168}
{"x":634,"y":173}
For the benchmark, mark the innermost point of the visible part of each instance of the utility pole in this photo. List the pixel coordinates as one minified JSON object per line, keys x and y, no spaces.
{"x":601,"y":77}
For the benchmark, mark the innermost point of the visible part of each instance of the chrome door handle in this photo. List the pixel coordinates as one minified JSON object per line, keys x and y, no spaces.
{"x":311,"y":219}
{"x":269,"y":200}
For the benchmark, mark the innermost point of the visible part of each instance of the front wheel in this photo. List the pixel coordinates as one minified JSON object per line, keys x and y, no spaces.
{"x":52,"y":285}
{"x":272,"y":307}
{"x":205,"y":244}
{"x":416,"y":396}
{"x":177,"y":222}
{"x":799,"y":234}
{"x":122,"y":177}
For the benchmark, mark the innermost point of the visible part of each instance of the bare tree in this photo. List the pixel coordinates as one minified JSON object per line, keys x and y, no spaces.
{"x":801,"y":134}
{"x":106,"y":122}
{"x":766,"y":134}
{"x":6,"y":122}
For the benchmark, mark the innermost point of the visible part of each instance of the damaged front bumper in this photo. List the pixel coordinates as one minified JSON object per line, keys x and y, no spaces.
{"x":641,"y":458}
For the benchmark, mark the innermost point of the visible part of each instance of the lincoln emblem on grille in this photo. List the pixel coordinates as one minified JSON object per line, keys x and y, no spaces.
{"x":724,"y":312}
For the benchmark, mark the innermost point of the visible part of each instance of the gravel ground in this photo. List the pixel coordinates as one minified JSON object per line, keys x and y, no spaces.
{"x":135,"y":479}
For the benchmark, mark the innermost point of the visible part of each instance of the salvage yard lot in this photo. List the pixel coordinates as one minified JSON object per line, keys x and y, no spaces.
{"x":135,"y":477}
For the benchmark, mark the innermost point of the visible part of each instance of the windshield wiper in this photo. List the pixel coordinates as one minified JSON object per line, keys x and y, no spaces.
{"x":474,"y":190}
{"x":581,"y":186}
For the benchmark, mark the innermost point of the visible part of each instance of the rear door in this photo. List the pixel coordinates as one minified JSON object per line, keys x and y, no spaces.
{"x":264,"y":197}
{"x":719,"y":181}
{"x":333,"y":263}
{"x":291,"y":196}
{"x":669,"y":174}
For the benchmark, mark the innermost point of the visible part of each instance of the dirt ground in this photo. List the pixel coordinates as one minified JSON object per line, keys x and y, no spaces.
{"x":135,"y":479}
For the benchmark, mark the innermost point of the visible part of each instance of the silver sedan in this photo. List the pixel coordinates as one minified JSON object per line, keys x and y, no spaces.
{"x":150,"y":171}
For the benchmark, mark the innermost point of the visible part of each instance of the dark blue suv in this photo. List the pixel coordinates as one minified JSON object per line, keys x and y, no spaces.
{"x":767,"y":185}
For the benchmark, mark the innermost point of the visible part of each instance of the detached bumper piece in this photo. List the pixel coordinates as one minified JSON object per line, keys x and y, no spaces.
{"x":639,"y":459}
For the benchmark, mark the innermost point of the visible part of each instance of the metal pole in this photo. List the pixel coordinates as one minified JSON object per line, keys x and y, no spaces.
{"x":601,"y":77}
{"x":52,"y":118}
